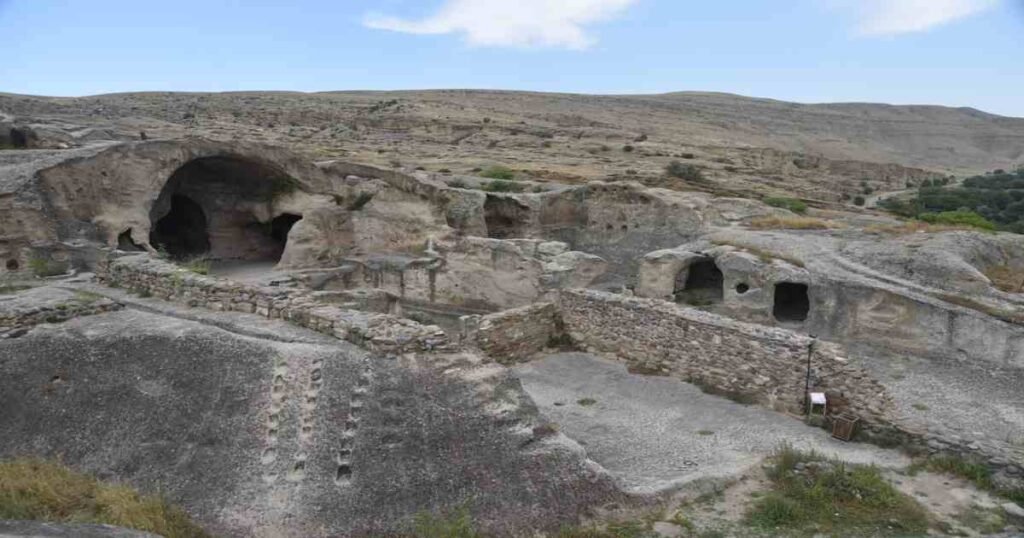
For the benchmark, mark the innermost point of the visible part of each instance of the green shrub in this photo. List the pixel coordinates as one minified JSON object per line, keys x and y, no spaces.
{"x":457,"y":524}
{"x":812,"y":492}
{"x":361,"y":200}
{"x":44,"y":267}
{"x":457,"y":184}
{"x":959,"y":217}
{"x":498,"y":172}
{"x":503,"y":186}
{"x":38,"y":490}
{"x":688,"y":172}
{"x":199,"y":265}
{"x":859,"y":200}
{"x":792,"y":204}
{"x":627,"y":148}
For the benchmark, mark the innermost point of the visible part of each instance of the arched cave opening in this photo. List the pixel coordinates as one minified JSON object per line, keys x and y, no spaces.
{"x":182,"y":231}
{"x":220,"y":207}
{"x":505,"y":217}
{"x":699,"y":284}
{"x":12,"y":265}
{"x":126,"y":243}
{"x":791,"y":302}
{"x":18,"y":138}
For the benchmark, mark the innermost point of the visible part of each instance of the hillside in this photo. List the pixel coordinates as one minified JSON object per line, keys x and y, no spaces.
{"x":745,"y":145}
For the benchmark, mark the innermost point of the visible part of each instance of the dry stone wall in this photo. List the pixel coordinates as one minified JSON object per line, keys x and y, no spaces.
{"x":378,"y":332}
{"x":515,"y":335}
{"x":745,"y":361}
{"x":14,"y":321}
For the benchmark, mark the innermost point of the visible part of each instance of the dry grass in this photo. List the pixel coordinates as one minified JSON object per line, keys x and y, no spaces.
{"x":791,"y":223}
{"x":1000,"y":313}
{"x":1006,"y":278}
{"x":33,"y":489}
{"x":764,"y":255}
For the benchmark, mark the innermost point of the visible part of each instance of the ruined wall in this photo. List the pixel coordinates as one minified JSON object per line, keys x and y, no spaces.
{"x":32,"y":307}
{"x":514,"y":335}
{"x":741,"y":360}
{"x":379,"y":332}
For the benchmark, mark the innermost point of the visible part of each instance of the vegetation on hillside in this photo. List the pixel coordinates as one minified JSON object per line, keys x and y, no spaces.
{"x":39,"y":490}
{"x":993,"y":201}
{"x":812,"y":494}
{"x":792,"y":204}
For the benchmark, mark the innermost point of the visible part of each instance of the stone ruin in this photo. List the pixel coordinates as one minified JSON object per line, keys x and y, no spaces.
{"x":344,"y":366}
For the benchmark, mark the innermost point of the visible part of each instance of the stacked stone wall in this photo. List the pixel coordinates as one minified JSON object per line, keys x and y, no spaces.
{"x":515,"y":335}
{"x":378,"y":332}
{"x":15,"y":323}
{"x":748,"y":362}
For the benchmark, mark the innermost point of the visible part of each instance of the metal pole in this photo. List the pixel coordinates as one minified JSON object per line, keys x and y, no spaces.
{"x":807,"y":380}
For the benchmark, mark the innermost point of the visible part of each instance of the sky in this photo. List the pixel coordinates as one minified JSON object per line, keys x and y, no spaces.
{"x":947,"y":52}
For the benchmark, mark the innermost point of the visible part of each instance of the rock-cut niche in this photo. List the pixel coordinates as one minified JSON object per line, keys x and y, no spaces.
{"x":219,"y":207}
{"x":699,"y":284}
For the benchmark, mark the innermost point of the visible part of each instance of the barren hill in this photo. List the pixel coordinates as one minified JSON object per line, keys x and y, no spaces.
{"x":744,"y":145}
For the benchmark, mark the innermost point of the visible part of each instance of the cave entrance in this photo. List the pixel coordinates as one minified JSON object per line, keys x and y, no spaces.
{"x":182,"y":231}
{"x":505,"y":217}
{"x":223,"y":208}
{"x":700,"y":284}
{"x":791,"y":302}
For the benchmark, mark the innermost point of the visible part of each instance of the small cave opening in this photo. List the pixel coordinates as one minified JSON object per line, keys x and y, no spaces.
{"x":792,"y":302}
{"x":126,"y":243}
{"x":505,"y":217}
{"x":700,"y":284}
{"x":742,"y":288}
{"x":221,"y":207}
{"x":182,"y":232}
{"x":18,"y":138}
{"x":12,"y":265}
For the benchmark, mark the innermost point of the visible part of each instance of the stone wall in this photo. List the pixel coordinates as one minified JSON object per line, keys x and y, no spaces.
{"x":744,"y":361}
{"x":378,"y":332}
{"x":49,"y":306}
{"x":514,"y":335}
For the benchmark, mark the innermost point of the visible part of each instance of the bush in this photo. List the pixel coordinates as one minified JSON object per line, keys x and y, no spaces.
{"x":792,"y":204}
{"x":457,"y":184}
{"x":627,"y":148}
{"x":790,"y":223}
{"x":361,"y":200}
{"x":859,"y":200}
{"x":37,"y":490}
{"x":457,"y":524}
{"x":498,"y":172}
{"x":44,"y":267}
{"x":199,"y":265}
{"x":686,"y":172}
{"x":503,"y":186}
{"x":959,"y":217}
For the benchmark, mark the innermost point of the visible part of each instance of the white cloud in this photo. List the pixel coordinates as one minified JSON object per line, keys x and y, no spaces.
{"x":511,"y":23}
{"x":891,"y":17}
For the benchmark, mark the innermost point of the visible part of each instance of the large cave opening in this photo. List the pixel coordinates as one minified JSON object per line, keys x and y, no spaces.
{"x":791,"y":302}
{"x":699,"y":284}
{"x":222,"y":208}
{"x":505,"y":217}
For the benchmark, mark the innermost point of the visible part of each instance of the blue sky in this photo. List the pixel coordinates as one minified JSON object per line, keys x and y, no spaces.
{"x":950,"y":52}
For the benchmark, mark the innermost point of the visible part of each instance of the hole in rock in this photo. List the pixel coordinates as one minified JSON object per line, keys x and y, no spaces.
{"x":12,"y":265}
{"x":125,"y":242}
{"x":791,"y":302}
{"x":700,"y":284}
{"x":218,"y":207}
{"x":182,"y":231}
{"x":742,"y":288}
{"x":505,"y":217}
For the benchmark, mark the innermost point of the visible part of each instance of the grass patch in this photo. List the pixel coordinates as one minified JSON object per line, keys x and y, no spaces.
{"x":790,"y":223}
{"x":360,"y":201}
{"x":12,"y":288}
{"x":38,"y":490}
{"x":498,"y":172}
{"x":199,"y":265}
{"x":1009,"y":316}
{"x":764,"y":255}
{"x":44,"y":267}
{"x":86,"y":297}
{"x":919,"y":406}
{"x":457,"y":184}
{"x":503,"y":186}
{"x":457,"y":524}
{"x":1005,"y":278}
{"x":812,"y":494}
{"x":705,"y":432}
{"x":586,"y":402}
{"x":618,"y":529}
{"x":959,"y":218}
{"x":792,"y":204}
{"x":913,"y":227}
{"x":282,"y":185}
